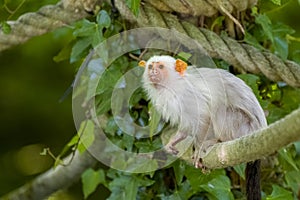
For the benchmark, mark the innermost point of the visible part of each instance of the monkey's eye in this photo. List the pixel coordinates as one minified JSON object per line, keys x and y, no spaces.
{"x":150,"y":66}
{"x":161,"y":66}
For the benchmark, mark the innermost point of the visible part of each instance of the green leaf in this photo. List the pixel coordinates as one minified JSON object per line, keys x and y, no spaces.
{"x":5,"y":27}
{"x":196,"y":177}
{"x":174,"y":196}
{"x":103,"y":19}
{"x":86,"y":131}
{"x":296,"y":55}
{"x":90,"y":180}
{"x":134,"y":6}
{"x":185,"y":190}
{"x":111,"y":126}
{"x":252,"y":40}
{"x":97,"y":37}
{"x":216,"y":183}
{"x":71,"y":143}
{"x":143,"y":164}
{"x":219,"y":188}
{"x":85,"y":28}
{"x":128,"y":141}
{"x":103,"y":102}
{"x":148,"y":145}
{"x":217,"y":22}
{"x":252,"y":81}
{"x":266,"y":25}
{"x":279,"y":193}
{"x":126,"y":187}
{"x":184,"y":56}
{"x":64,"y":54}
{"x":290,"y":98}
{"x":276,"y":2}
{"x":155,"y":118}
{"x":287,"y":159}
{"x":240,"y":169}
{"x":292,"y":179}
{"x":108,"y":79}
{"x":80,"y":49}
{"x":179,"y":168}
{"x":282,"y":30}
{"x":281,"y":47}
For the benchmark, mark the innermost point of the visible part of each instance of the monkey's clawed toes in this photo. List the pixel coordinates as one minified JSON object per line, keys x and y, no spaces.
{"x":197,"y":160}
{"x":171,"y":149}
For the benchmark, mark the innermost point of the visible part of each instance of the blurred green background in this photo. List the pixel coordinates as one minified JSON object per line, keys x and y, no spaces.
{"x":31,"y":84}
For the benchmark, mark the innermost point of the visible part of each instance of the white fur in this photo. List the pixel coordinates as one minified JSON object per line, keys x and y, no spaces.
{"x":210,"y":104}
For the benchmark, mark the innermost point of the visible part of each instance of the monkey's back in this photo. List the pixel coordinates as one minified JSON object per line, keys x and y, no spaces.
{"x":206,"y":97}
{"x":235,"y":111}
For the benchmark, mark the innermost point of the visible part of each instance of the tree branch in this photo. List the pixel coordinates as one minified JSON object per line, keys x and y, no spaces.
{"x":257,"y":145}
{"x":245,"y":149}
{"x":53,"y":180}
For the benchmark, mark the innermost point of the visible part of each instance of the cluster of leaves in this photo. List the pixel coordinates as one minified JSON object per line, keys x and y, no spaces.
{"x":88,"y":34}
{"x":179,"y":181}
{"x":277,"y":99}
{"x":275,"y":36}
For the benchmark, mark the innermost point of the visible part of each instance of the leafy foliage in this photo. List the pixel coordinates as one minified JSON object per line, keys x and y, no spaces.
{"x":134,"y":6}
{"x":181,"y":181}
{"x":5,"y":27}
{"x":90,"y":180}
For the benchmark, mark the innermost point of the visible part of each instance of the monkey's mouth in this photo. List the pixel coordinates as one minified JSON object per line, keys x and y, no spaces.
{"x":154,"y":79}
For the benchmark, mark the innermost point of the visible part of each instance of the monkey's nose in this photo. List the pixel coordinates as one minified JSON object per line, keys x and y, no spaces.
{"x":154,"y":72}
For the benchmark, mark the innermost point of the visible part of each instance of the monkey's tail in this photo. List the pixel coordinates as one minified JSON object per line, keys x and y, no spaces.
{"x":253,"y":180}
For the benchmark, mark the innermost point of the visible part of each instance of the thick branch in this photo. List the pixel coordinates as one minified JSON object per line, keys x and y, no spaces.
{"x":255,"y":146}
{"x":53,"y":180}
{"x":248,"y":148}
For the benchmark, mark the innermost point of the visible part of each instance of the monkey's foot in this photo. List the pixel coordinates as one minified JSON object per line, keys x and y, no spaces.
{"x":171,"y":149}
{"x":198,"y":162}
{"x":197,"y":159}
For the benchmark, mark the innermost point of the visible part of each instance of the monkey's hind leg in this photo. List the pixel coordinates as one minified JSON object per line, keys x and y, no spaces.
{"x":201,"y":150}
{"x":170,"y":147}
{"x":203,"y":139}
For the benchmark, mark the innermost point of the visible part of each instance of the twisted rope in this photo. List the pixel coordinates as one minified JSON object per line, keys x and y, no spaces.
{"x":198,"y":8}
{"x":240,"y":55}
{"x":45,"y":20}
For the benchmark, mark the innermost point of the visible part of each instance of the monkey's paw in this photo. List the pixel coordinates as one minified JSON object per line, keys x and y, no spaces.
{"x":197,"y":159}
{"x":171,"y":149}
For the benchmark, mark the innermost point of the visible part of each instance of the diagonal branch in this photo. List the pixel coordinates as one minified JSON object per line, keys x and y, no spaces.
{"x":53,"y":180}
{"x":257,"y":145}
{"x":245,"y":149}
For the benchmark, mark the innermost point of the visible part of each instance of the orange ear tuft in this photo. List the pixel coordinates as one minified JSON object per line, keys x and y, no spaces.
{"x":180,"y":66}
{"x":142,"y":63}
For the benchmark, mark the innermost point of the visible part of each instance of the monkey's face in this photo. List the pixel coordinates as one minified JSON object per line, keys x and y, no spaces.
{"x":161,"y":71}
{"x":157,"y":72}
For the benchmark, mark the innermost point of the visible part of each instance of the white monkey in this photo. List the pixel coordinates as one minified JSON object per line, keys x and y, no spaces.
{"x":211,"y":105}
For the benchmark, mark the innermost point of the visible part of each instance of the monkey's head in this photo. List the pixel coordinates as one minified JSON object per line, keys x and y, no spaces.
{"x":159,"y":70}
